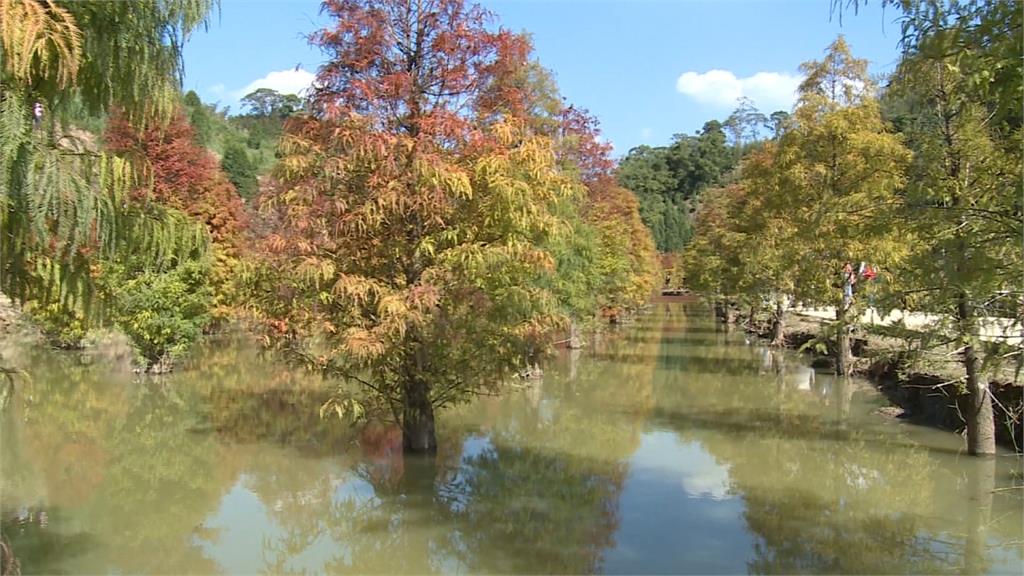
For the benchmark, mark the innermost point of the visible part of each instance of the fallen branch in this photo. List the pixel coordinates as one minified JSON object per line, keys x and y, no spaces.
{"x":1008,"y":488}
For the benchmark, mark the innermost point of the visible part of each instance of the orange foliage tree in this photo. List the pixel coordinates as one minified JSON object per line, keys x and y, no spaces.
{"x":626,"y":259}
{"x":408,"y":255}
{"x":184,"y":175}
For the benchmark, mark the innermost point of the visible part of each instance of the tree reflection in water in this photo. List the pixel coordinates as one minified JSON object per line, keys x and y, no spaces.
{"x":527,"y":482}
{"x":227,"y":467}
{"x":823,"y":492}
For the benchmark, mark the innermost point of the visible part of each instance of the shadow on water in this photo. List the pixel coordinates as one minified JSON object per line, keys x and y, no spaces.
{"x":800,"y":532}
{"x":694,"y":334}
{"x":688,"y":363}
{"x":498,"y":509}
{"x":811,"y":428}
{"x":282,"y":416}
{"x":37,"y":548}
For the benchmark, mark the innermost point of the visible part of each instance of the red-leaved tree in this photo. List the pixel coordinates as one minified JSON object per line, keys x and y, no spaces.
{"x":182,"y":173}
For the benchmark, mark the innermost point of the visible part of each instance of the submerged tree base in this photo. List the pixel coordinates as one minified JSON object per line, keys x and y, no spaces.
{"x":164,"y":365}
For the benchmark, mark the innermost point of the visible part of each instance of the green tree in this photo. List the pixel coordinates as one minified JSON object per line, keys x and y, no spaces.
{"x":162,"y":311}
{"x":839,"y":168}
{"x":668,"y":181}
{"x":240,"y":170}
{"x":646,"y":172}
{"x":769,"y":239}
{"x":957,"y":84}
{"x":712,"y":264}
{"x":266,"y":103}
{"x":777,"y":122}
{"x":61,"y":327}
{"x":711,"y":159}
{"x":744,"y":124}
{"x":200,"y":116}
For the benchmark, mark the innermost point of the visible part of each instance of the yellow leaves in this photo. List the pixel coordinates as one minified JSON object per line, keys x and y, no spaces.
{"x":506,"y":132}
{"x":392,"y":306}
{"x":316,"y":270}
{"x":391,"y":246}
{"x":459,"y":186}
{"x":39,"y":37}
{"x":363,"y":344}
{"x":360,"y":289}
{"x":346,"y":408}
{"x":426,"y":247}
{"x":444,"y":179}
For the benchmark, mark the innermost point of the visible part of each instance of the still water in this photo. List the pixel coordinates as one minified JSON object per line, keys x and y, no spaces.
{"x":669,"y":447}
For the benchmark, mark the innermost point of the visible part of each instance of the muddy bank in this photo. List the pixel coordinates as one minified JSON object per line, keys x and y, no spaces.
{"x":10,"y":316}
{"x":924,"y":398}
{"x":932,"y":400}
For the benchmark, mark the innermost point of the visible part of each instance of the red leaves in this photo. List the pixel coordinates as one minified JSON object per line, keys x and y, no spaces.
{"x":414,"y":67}
{"x":583,"y":147}
{"x":184,"y":175}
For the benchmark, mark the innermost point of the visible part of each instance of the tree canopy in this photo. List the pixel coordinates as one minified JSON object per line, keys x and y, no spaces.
{"x":423,"y":213}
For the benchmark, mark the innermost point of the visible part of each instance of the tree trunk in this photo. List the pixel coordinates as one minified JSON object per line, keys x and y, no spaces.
{"x":844,"y":355}
{"x":778,"y":325}
{"x":418,"y":433}
{"x":574,"y":356}
{"x":574,"y":342}
{"x":9,"y":565}
{"x":730,"y":313}
{"x":843,"y":396}
{"x":981,"y":429}
{"x":981,"y":480}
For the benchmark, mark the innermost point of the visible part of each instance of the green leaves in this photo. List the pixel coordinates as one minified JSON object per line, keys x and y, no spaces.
{"x":64,"y":206}
{"x":162,"y":312}
{"x":345,"y":408}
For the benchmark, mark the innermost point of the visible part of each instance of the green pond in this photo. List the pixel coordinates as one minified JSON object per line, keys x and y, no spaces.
{"x":668,"y":446}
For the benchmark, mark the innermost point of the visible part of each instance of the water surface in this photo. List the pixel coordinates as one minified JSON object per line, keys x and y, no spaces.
{"x":669,"y":447}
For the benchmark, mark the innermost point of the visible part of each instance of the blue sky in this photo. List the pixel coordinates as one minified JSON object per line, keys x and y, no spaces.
{"x":647,"y":69}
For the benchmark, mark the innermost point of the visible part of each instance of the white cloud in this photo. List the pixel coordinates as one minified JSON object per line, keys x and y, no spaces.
{"x":293,"y":81}
{"x":217,"y":89}
{"x":710,"y":482}
{"x":646,"y":134}
{"x":769,"y":90}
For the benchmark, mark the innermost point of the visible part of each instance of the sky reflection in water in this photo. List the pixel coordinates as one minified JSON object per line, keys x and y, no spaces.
{"x":672,"y":446}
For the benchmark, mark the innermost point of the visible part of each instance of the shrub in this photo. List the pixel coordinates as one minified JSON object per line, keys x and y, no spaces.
{"x":163,"y":312}
{"x":60,"y":326}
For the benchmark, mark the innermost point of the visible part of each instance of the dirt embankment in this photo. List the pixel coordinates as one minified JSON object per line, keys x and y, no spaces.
{"x":929,"y":396}
{"x":10,"y":317}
